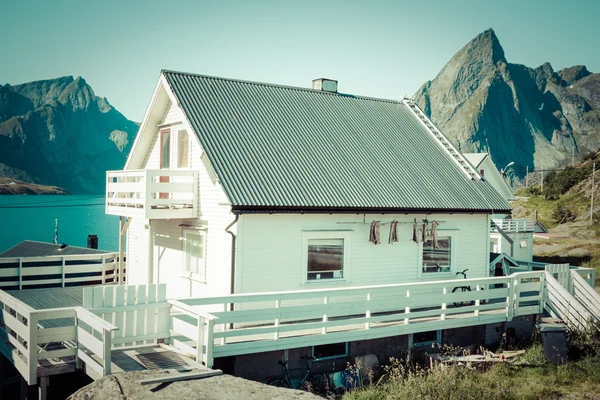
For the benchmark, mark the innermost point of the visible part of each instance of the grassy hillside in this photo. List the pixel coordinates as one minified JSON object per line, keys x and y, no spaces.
{"x":564,"y":208}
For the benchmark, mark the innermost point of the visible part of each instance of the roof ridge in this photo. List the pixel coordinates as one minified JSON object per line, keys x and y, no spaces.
{"x":280,"y":86}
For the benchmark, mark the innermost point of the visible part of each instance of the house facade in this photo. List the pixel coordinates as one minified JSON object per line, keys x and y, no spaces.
{"x":295,"y":189}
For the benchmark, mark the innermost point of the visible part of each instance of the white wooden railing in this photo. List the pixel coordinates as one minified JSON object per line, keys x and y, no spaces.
{"x":59,"y":271}
{"x":280,"y":320}
{"x":24,"y":340}
{"x":152,"y":194}
{"x":560,"y":303}
{"x":513,"y":225}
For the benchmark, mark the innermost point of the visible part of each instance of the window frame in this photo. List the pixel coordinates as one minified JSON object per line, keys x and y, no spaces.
{"x":453,"y":251}
{"x":326,"y":234}
{"x":175,"y":131}
{"x":329,"y":357}
{"x":190,"y":274}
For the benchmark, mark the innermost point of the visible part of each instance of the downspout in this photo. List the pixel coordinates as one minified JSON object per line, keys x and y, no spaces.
{"x":232,"y":288}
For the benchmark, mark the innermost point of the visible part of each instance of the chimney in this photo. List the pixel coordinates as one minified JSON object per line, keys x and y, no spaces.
{"x":92,"y":242}
{"x":325,"y":85}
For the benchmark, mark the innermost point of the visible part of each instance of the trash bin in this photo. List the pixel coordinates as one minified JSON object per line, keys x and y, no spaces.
{"x":554,"y":340}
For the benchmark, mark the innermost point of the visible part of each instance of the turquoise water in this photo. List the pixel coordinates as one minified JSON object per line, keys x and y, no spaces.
{"x":32,"y":218}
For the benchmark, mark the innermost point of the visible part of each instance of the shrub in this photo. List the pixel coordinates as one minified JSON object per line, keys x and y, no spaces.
{"x":559,"y":182}
{"x":562,"y":214}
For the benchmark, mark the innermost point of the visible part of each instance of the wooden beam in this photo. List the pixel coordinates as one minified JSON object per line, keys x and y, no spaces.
{"x":182,"y":377}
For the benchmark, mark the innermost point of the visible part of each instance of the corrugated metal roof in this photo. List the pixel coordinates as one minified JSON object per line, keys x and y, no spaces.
{"x":278,"y":147}
{"x":30,"y":248}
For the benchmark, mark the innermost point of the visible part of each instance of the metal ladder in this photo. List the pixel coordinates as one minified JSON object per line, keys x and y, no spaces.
{"x":464,"y":165}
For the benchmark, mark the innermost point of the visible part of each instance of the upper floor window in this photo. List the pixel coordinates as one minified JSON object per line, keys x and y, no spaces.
{"x":165,"y":148}
{"x":183,"y":149}
{"x":437,"y":258}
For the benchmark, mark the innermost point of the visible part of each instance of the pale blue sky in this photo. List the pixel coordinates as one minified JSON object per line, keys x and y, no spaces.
{"x":374,"y":48}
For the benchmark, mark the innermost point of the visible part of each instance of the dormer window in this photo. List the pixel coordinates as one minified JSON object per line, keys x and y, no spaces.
{"x":183,"y":149}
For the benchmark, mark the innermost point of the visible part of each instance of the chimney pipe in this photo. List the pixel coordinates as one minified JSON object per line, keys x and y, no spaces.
{"x":92,"y":242}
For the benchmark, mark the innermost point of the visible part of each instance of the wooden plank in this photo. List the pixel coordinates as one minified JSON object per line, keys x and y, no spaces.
{"x":90,"y":364}
{"x":151,"y":312}
{"x":88,"y":297}
{"x":140,"y":313}
{"x":129,"y":315}
{"x":60,"y":334}
{"x":184,"y":328}
{"x":44,"y":355}
{"x":148,"y":337}
{"x":119,"y":315}
{"x":182,"y":377}
{"x":89,"y":341}
{"x":14,"y":324}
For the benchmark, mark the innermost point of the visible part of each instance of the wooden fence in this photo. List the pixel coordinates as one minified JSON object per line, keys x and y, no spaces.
{"x":57,"y":271}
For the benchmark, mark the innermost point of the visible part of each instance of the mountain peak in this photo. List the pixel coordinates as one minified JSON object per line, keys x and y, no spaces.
{"x":486,"y":46}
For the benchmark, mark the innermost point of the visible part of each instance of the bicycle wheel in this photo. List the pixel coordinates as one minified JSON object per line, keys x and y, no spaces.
{"x":462,"y":303}
{"x":279,"y":383}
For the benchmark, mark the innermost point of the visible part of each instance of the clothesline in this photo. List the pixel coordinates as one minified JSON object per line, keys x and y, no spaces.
{"x":389,"y":222}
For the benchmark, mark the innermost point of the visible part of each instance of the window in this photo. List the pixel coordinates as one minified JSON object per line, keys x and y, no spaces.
{"x":437,"y":259}
{"x":328,"y":351}
{"x":325,"y":259}
{"x":326,"y":255}
{"x":165,"y":149}
{"x":183,"y":149}
{"x":425,"y":338}
{"x":194,"y":251}
{"x":523,"y":243}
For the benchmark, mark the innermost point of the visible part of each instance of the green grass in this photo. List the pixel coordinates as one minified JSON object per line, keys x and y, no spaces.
{"x":533,"y":379}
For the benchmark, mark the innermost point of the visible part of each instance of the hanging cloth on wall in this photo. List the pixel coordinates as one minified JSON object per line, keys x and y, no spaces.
{"x":415,"y":235}
{"x":434,"y":234}
{"x":374,"y":233}
{"x":393,"y":232}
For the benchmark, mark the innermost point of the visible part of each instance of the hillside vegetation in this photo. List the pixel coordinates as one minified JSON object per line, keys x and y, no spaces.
{"x":563,"y":206}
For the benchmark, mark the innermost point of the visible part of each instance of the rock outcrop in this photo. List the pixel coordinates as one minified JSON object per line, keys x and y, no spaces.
{"x":59,"y":132}
{"x":536,"y":117}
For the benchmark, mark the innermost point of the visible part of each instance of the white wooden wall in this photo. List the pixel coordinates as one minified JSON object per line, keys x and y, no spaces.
{"x":167,"y":235}
{"x":270,"y":251}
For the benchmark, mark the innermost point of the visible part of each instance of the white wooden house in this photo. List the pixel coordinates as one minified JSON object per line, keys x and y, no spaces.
{"x":244,"y":187}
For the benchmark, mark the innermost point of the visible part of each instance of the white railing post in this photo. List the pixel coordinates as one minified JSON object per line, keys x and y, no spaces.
{"x":63,"y":271}
{"x":407,"y":309}
{"x":147,"y":177}
{"x":32,"y":350}
{"x":510,"y":299}
{"x":210,"y":329}
{"x":20,"y":274}
{"x":368,"y":313}
{"x":276,"y":334}
{"x":106,"y":351}
{"x":444,"y":304}
{"x":200,"y":341}
{"x":478,"y":300}
{"x":324,"y":329}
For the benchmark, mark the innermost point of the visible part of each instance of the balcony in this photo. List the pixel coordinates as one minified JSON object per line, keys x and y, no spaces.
{"x":512,"y":225}
{"x":152,"y":194}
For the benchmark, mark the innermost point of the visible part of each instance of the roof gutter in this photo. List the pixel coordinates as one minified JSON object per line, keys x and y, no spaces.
{"x":232,"y":287}
{"x":360,"y":210}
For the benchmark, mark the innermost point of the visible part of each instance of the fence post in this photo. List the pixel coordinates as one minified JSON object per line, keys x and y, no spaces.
{"x":511,"y":298}
{"x":407,"y":309}
{"x":368,"y":312}
{"x":32,"y":351}
{"x":210,"y":328}
{"x":20,"y":274}
{"x":63,"y":272}
{"x":478,"y":301}
{"x":324,"y":329}
{"x":444,"y":304}
{"x":200,"y":340}
{"x":106,"y":351}
{"x":276,"y":334}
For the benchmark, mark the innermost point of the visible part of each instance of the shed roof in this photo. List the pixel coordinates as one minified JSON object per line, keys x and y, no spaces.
{"x":30,"y":248}
{"x":475,"y":158}
{"x":284,"y":148}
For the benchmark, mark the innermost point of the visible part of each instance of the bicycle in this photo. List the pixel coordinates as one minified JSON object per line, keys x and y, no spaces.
{"x":316,"y":383}
{"x":466,"y":289}
{"x":463,"y":289}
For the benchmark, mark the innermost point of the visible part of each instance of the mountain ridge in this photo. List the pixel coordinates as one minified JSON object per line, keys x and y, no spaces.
{"x":536,"y":117}
{"x":58,"y":132}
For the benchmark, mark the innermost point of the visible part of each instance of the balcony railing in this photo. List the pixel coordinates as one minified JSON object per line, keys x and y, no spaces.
{"x":152,"y":194}
{"x":513,"y":225}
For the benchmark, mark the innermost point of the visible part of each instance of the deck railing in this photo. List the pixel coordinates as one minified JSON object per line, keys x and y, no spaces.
{"x":272,"y":321}
{"x":513,"y":225}
{"x":57,"y":271}
{"x":25,"y":335}
{"x":152,"y":194}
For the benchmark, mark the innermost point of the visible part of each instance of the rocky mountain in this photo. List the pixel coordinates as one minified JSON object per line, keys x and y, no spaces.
{"x":535,"y":117}
{"x":58,"y":132}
